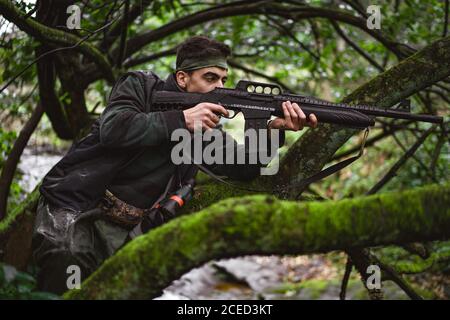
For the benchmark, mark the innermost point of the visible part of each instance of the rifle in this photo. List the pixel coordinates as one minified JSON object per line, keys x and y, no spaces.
{"x":259,"y":101}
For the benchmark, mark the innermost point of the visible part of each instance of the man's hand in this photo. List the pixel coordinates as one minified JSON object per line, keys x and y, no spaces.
{"x":294,"y":118}
{"x":204,"y":113}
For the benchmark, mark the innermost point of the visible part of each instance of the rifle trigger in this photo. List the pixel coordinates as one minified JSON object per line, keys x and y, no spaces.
{"x":231,"y":117}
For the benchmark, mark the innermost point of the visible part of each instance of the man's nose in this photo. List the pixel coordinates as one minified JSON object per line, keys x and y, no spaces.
{"x":219,"y":84}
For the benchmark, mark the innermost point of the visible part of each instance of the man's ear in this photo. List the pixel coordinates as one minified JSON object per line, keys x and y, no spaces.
{"x":181,"y":78}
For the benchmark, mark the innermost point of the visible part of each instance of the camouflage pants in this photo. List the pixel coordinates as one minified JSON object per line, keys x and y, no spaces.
{"x":64,"y":238}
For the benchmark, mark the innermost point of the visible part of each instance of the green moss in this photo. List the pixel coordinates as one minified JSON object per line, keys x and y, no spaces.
{"x":261,"y":224}
{"x":406,"y":263}
{"x":314,"y":289}
{"x":311,"y":289}
{"x":24,"y":208}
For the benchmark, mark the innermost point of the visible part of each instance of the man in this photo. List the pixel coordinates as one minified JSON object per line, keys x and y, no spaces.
{"x":108,"y":180}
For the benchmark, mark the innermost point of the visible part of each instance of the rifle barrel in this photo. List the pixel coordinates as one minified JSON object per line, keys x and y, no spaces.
{"x":368,"y":110}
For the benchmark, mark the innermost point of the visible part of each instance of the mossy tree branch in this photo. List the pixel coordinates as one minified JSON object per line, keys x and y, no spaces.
{"x":262,"y":224}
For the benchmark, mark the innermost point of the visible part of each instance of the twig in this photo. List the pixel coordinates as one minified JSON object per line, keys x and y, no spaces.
{"x":316,"y":34}
{"x":437,"y":151}
{"x":11,"y":162}
{"x":355,"y":46}
{"x":289,"y":33}
{"x":105,"y":32}
{"x":123,"y":37}
{"x":23,"y":100}
{"x":440,"y":94}
{"x":392,"y":172}
{"x":394,"y":277}
{"x":421,"y":164}
{"x":426,"y":102}
{"x":357,"y":7}
{"x":95,"y":107}
{"x":134,"y":62}
{"x":361,"y":259}
{"x":444,"y":33}
{"x":235,"y":64}
{"x":50,"y":52}
{"x":348,"y":271}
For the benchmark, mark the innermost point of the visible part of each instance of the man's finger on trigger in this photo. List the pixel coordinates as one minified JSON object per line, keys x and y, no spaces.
{"x":219,"y":109}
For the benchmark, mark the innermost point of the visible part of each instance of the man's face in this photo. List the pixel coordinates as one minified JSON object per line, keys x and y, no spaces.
{"x":202,"y":80}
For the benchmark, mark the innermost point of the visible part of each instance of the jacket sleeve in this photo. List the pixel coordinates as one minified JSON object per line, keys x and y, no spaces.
{"x":233,"y":170}
{"x":124,"y":122}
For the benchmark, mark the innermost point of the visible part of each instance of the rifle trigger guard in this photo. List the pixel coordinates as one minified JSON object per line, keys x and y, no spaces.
{"x":231,"y":117}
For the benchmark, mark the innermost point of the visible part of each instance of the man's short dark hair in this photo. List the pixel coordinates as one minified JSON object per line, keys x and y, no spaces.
{"x":201,"y":47}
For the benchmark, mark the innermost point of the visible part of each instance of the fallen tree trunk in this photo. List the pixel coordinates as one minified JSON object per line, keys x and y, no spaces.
{"x":261,"y":224}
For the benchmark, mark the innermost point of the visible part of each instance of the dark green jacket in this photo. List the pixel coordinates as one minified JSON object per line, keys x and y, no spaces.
{"x":127,"y":151}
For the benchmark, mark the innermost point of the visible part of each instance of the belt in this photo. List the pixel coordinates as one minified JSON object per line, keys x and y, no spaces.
{"x":119,"y":211}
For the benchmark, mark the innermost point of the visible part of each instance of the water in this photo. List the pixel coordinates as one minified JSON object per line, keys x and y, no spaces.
{"x":34,"y":164}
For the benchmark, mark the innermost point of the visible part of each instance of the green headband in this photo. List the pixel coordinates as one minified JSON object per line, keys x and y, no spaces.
{"x":196,"y":63}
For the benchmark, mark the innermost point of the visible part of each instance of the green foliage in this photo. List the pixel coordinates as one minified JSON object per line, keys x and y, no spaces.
{"x":20,"y":285}
{"x":7,"y":139}
{"x":311,"y":58}
{"x":406,"y":262}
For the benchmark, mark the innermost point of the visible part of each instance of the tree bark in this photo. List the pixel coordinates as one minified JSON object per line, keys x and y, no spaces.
{"x":262,"y":224}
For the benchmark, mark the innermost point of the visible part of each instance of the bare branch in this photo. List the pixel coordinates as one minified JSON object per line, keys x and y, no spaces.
{"x":134,"y":12}
{"x":392,"y":172}
{"x":421,"y":164}
{"x":348,"y":271}
{"x":447,"y":9}
{"x":140,"y":60}
{"x":231,"y":62}
{"x":356,"y":47}
{"x":355,"y":5}
{"x":123,"y":38}
{"x":255,"y":8}
{"x":10,"y":164}
{"x":437,"y":150}
{"x":79,"y":43}
{"x":237,"y":65}
{"x":284,"y":30}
